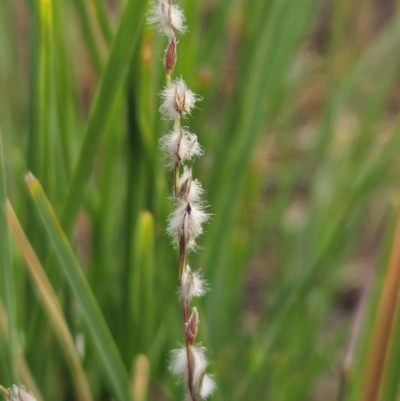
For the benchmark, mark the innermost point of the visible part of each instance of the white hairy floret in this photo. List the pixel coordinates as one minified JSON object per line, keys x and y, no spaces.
{"x":186,"y":223}
{"x":19,"y":393}
{"x":192,"y":285}
{"x":177,"y":100}
{"x":167,"y":17}
{"x":207,"y":386}
{"x":179,"y":363}
{"x":180,"y":145}
{"x":189,"y":190}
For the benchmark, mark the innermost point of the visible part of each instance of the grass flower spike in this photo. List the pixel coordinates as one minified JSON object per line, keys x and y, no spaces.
{"x":186,"y":221}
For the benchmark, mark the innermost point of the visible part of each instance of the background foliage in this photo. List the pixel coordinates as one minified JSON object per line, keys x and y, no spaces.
{"x":300,"y":126}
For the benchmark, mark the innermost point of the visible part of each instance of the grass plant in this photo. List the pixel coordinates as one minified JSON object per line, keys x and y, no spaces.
{"x":300,"y":122}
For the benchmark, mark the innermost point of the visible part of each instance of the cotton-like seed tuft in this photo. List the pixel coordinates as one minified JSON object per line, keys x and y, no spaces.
{"x":186,"y":223}
{"x":192,"y":285}
{"x":189,"y":190}
{"x":177,"y":100}
{"x":179,"y":146}
{"x":207,"y":386}
{"x":200,"y":363}
{"x":179,"y":363}
{"x":167,"y":18}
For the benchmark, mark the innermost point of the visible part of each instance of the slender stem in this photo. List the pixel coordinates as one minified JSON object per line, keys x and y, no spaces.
{"x":177,"y":123}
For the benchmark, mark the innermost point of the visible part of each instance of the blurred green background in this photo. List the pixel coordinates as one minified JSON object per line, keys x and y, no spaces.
{"x":299,"y":121}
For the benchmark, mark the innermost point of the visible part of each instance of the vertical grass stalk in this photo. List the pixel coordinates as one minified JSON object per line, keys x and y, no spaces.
{"x":186,"y":220}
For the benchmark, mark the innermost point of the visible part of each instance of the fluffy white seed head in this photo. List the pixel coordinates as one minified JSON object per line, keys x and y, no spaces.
{"x":177,"y":100}
{"x":186,"y":223}
{"x":19,"y":393}
{"x":179,"y":363}
{"x":192,"y":285}
{"x":180,"y":145}
{"x":167,"y":18}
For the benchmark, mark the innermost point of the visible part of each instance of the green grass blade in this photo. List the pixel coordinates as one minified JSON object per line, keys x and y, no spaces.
{"x":64,"y":86}
{"x":103,"y":20}
{"x":88,"y":36}
{"x":142,"y":280}
{"x":34,"y":84}
{"x":6,"y":273}
{"x":103,"y":342}
{"x":113,"y":76}
{"x":45,"y":77}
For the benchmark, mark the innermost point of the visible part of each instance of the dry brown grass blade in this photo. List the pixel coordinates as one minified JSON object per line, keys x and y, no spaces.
{"x":382,"y":327}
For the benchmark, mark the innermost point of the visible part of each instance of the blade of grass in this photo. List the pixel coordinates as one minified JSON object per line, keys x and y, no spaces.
{"x":51,"y":305}
{"x":64,"y":86}
{"x":6,"y":273}
{"x":103,"y":21}
{"x":88,"y":35}
{"x":140,"y":378}
{"x":112,"y":78}
{"x":141,"y":281}
{"x":389,"y":390}
{"x":34,"y":83}
{"x":103,"y":342}
{"x":44,"y":90}
{"x":383,"y":324}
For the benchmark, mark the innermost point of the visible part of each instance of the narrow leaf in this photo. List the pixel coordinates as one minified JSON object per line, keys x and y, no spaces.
{"x":383,"y":324}
{"x":112,"y":78}
{"x":103,"y":342}
{"x":6,"y":273}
